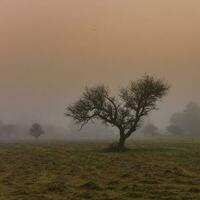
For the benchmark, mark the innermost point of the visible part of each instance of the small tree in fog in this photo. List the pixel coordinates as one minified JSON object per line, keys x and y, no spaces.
{"x":187,"y":122}
{"x":150,"y":130}
{"x":125,"y":112}
{"x":176,"y":130}
{"x":36,"y":131}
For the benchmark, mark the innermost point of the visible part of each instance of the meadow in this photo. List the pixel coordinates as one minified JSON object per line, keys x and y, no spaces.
{"x":153,"y":169}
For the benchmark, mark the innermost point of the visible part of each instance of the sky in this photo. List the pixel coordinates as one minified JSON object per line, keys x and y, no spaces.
{"x":51,"y":49}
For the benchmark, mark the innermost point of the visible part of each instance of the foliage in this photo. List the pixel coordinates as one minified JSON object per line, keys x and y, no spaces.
{"x":186,"y":122}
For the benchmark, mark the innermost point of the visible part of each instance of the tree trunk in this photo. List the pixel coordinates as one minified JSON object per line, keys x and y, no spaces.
{"x":121,"y":144}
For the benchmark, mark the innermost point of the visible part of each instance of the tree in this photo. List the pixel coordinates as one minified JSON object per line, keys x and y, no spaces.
{"x":36,"y":131}
{"x":150,"y":130}
{"x":125,"y":112}
{"x":174,"y":129}
{"x":187,"y":121}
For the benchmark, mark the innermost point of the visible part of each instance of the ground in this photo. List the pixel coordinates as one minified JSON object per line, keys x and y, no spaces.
{"x":152,"y":169}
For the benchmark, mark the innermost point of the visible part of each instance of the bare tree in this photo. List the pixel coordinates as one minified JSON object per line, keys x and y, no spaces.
{"x":126,"y":112}
{"x":36,"y":131}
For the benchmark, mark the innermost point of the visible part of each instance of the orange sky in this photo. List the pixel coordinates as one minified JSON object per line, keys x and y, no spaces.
{"x":51,"y":49}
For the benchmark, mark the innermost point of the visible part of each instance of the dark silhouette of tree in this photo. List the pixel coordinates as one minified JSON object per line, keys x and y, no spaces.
{"x":36,"y":131}
{"x":126,"y":112}
{"x":150,"y":130}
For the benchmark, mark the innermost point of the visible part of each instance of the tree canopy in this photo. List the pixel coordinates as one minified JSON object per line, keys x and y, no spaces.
{"x":36,"y":131}
{"x":186,"y":122}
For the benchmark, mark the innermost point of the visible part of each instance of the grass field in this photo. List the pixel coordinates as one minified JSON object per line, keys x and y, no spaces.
{"x":153,"y":169}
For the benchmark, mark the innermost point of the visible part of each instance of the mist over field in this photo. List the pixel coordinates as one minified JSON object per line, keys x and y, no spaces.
{"x":51,"y":50}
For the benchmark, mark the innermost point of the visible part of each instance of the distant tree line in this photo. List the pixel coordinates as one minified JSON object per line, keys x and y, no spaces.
{"x":183,"y":123}
{"x":11,"y":131}
{"x":6,"y":130}
{"x":187,"y":122}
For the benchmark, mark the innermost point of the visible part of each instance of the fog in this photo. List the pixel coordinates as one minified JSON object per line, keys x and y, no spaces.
{"x":185,"y":123}
{"x":51,"y":50}
{"x":52,"y":132}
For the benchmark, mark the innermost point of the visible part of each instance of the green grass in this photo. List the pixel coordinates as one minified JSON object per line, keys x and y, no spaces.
{"x":153,"y":169}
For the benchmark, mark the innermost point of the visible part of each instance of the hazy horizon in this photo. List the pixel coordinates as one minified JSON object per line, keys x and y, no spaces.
{"x":50,"y":50}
